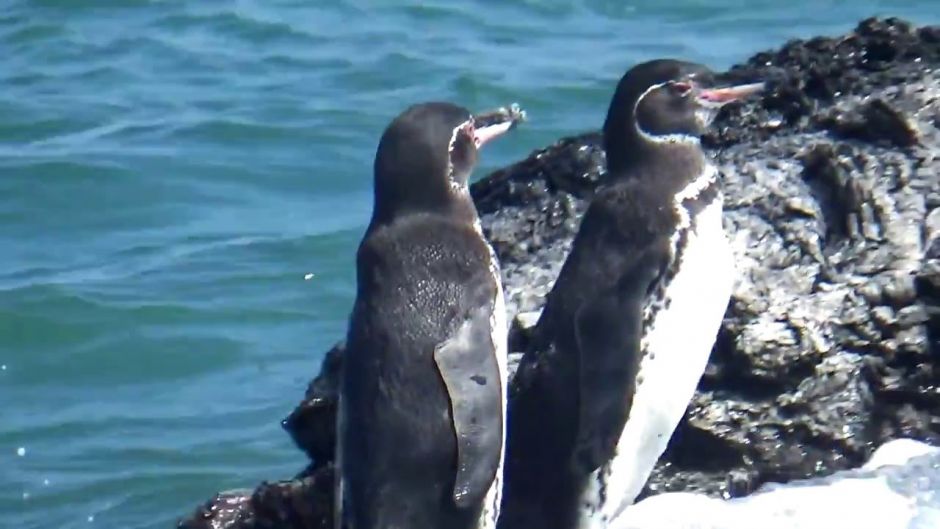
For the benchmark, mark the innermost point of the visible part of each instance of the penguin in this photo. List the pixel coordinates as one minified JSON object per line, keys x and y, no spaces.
{"x":422,"y":394}
{"x":628,"y":327}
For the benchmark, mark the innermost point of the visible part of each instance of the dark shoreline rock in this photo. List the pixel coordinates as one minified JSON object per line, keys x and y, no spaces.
{"x":829,"y":347}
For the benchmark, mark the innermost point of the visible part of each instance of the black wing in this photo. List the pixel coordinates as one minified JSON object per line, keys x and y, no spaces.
{"x":467,"y":363}
{"x":607,"y":331}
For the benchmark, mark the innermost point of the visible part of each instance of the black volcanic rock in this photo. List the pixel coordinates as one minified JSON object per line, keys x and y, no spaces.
{"x":829,"y":347}
{"x":875,"y":121}
{"x":305,"y":501}
{"x":312,"y":423}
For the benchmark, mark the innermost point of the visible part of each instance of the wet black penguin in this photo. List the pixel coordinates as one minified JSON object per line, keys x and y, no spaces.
{"x":421,"y":419}
{"x":629,"y":324}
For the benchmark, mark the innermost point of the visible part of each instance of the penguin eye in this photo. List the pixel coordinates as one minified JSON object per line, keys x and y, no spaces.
{"x":681,"y":88}
{"x":470,"y":131}
{"x":463,"y":133}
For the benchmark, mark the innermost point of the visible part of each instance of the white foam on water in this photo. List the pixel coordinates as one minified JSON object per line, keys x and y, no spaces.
{"x":867,"y":498}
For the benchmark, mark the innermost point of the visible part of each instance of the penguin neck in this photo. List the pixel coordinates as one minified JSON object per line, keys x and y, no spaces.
{"x":671,"y":163}
{"x":453,"y":203}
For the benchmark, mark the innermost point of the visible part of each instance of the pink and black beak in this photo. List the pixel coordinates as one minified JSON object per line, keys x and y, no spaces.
{"x":495,"y":123}
{"x":720,"y":96}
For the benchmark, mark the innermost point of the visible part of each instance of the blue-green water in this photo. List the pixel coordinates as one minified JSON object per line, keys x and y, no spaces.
{"x":170,"y":172}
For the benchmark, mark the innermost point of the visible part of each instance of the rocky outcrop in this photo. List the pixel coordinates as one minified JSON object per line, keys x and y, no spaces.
{"x":829,"y":347}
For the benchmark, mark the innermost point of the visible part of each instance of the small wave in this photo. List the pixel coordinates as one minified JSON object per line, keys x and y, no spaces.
{"x":241,"y":24}
{"x":29,"y":33}
{"x":241,"y":131}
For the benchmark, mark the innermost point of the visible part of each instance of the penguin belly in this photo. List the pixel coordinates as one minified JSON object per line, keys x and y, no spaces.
{"x":677,"y":344}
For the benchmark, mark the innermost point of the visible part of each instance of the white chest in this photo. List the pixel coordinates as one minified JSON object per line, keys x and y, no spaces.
{"x":677,"y":344}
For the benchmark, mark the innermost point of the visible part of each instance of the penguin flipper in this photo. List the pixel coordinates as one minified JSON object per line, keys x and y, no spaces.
{"x":608,"y":330}
{"x":338,"y":493}
{"x":467,"y":363}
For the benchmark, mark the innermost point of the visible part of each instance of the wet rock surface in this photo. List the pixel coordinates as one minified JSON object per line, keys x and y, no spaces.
{"x":305,"y":501}
{"x":829,"y":347}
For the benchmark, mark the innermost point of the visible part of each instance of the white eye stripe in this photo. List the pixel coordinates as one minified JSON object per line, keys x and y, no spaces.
{"x":466,"y":125}
{"x":664,"y":138}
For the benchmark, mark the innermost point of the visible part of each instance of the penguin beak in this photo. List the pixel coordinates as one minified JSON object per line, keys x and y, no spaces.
{"x":717,"y":97}
{"x":495,"y":123}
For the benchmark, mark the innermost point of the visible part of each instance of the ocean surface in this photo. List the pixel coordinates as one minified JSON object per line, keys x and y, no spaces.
{"x":183,"y":184}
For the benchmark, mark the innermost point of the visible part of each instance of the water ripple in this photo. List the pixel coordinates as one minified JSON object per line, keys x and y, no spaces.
{"x":171,"y":172}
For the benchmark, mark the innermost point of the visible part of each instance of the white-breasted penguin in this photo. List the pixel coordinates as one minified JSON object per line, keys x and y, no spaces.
{"x":421,"y":421}
{"x":629,"y":324}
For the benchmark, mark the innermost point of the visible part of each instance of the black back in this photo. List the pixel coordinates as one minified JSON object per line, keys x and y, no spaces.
{"x":571,"y":394}
{"x":422,"y":269}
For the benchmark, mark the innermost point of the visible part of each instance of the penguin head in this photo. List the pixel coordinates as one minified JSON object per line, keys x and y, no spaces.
{"x":427,"y":153}
{"x":664,"y":102}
